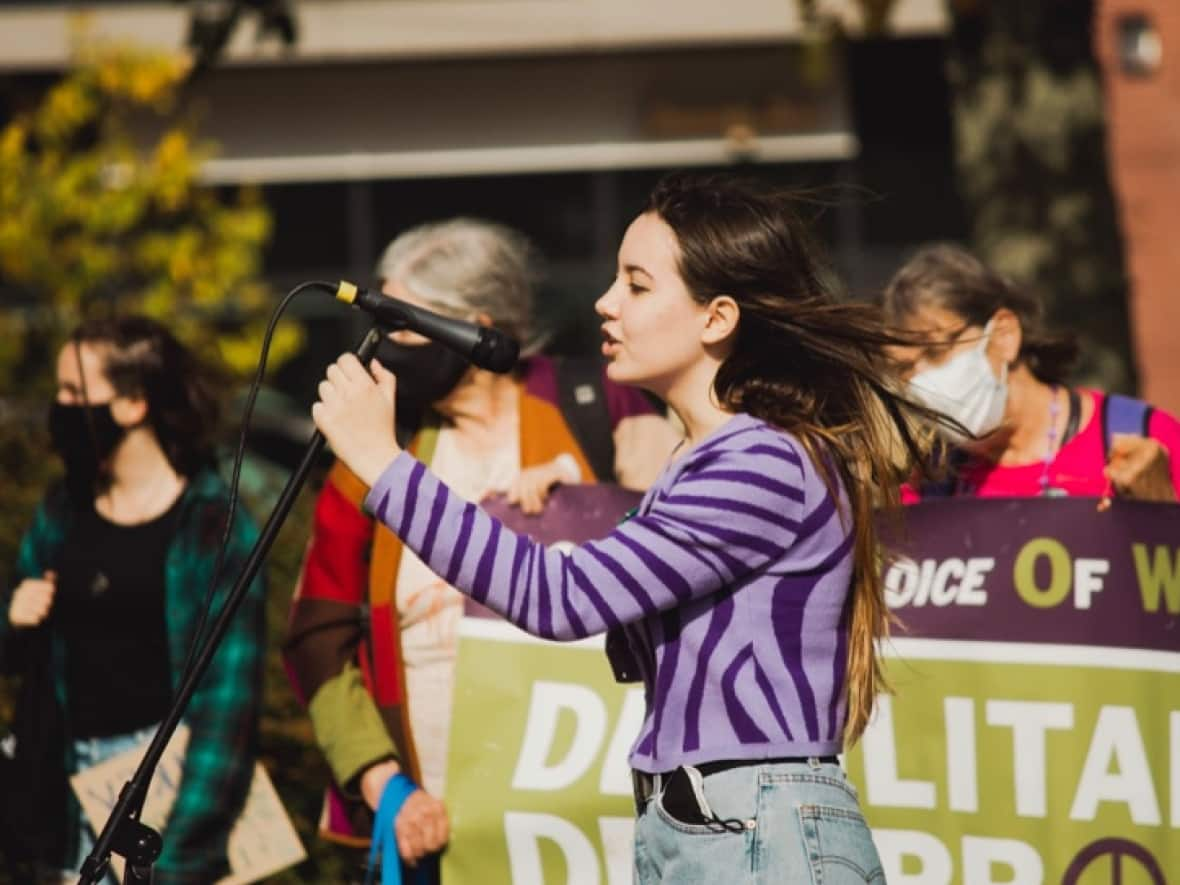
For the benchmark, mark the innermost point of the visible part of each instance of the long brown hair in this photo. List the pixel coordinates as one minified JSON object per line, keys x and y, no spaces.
{"x":810,"y":363}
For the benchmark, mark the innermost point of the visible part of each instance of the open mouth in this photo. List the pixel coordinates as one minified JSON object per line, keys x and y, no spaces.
{"x":609,"y":343}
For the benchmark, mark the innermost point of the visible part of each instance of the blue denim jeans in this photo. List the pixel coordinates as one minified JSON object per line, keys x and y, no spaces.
{"x":795,"y":823}
{"x":89,"y":752}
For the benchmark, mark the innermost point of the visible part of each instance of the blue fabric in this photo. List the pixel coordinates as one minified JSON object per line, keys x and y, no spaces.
{"x":383,"y":847}
{"x":790,"y":822}
{"x":1123,"y":414}
{"x":89,"y":752}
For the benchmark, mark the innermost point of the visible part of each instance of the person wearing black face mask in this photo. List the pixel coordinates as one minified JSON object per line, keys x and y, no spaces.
{"x":486,"y":433}
{"x":429,"y":371}
{"x":85,"y":436}
{"x":111,"y":577}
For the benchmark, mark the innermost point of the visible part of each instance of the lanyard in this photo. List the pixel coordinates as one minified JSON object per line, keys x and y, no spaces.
{"x":383,"y":847}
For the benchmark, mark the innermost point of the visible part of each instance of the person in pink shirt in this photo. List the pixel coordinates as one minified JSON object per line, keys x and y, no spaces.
{"x":987,"y":361}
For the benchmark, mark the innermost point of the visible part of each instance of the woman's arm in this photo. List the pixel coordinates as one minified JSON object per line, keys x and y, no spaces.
{"x":325,"y":628}
{"x":734,"y":511}
{"x":36,"y":556}
{"x":736,"y":508}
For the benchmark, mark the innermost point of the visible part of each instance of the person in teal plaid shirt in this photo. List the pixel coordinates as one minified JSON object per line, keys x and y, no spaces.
{"x":111,"y":582}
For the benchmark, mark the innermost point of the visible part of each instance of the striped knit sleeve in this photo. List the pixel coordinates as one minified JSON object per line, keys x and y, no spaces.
{"x":731,"y":512}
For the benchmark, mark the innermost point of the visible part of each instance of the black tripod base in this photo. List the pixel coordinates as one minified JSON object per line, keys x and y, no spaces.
{"x":135,"y":841}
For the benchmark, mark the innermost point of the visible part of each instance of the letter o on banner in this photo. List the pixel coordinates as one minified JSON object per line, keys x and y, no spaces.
{"x":1060,"y":573}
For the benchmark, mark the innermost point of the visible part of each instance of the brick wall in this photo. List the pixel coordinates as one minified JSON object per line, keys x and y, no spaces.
{"x":1143,"y":118}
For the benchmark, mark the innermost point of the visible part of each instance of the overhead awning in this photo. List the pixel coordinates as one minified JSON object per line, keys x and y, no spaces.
{"x":41,"y":35}
{"x":524,"y":114}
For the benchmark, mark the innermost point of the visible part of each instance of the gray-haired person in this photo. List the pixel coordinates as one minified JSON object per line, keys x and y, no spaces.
{"x":485,"y":433}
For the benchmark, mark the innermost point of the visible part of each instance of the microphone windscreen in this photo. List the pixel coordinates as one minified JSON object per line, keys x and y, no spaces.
{"x":495,"y":351}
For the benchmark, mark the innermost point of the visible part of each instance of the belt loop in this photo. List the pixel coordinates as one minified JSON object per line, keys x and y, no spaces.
{"x":813,"y":763}
{"x":645,"y":786}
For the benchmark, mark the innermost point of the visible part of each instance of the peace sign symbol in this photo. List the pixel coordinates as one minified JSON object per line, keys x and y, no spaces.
{"x":1119,"y":852}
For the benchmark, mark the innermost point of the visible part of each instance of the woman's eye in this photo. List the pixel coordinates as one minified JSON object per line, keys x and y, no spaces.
{"x":636,"y":288}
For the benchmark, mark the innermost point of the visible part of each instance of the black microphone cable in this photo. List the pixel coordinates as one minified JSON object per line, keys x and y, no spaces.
{"x":239,"y":455}
{"x":482,"y":345}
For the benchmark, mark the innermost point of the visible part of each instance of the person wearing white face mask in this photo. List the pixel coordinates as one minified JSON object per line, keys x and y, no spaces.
{"x":967,"y":388}
{"x":986,"y":361}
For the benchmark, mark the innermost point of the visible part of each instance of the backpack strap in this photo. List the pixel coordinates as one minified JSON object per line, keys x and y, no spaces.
{"x":947,"y":465}
{"x":1123,"y":414}
{"x":582,"y":400}
{"x":1075,"y":416}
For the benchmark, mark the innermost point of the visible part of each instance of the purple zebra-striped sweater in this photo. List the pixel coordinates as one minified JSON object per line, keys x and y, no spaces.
{"x":730,"y":582}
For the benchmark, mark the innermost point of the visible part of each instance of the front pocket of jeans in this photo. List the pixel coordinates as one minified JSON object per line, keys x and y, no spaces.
{"x":840,"y":848}
{"x":720,"y":825}
{"x":702,"y":829}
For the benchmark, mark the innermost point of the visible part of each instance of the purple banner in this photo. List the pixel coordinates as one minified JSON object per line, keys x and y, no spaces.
{"x":573,"y":514}
{"x":1047,"y":570}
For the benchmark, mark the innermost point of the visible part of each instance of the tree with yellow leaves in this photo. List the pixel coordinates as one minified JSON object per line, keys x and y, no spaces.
{"x":101,"y":208}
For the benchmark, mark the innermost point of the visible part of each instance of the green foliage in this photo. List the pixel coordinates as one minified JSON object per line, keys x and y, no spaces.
{"x":1030,"y":143}
{"x":823,"y":32}
{"x":874,"y":13}
{"x":101,"y":207}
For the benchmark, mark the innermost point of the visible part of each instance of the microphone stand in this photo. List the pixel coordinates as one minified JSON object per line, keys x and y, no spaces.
{"x":124,"y":833}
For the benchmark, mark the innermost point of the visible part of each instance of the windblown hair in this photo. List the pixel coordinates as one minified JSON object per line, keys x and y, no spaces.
{"x":948,"y":276}
{"x":467,"y":265}
{"x":141,"y":358}
{"x":810,"y":364}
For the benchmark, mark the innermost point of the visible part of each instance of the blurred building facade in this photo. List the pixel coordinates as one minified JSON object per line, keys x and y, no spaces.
{"x":1138,"y":44}
{"x":553,"y":117}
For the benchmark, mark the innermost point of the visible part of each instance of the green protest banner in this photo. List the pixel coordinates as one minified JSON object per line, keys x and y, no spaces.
{"x":1033,"y":736}
{"x":1005,"y":765}
{"x":538,"y":786}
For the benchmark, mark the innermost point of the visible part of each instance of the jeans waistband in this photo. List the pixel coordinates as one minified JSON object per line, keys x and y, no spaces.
{"x":708,"y":768}
{"x":645,"y":785}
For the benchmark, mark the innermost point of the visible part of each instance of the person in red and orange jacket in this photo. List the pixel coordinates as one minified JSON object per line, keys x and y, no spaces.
{"x":372,"y":636}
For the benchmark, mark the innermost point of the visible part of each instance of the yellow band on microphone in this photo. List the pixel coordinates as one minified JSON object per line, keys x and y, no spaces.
{"x":346,"y":292}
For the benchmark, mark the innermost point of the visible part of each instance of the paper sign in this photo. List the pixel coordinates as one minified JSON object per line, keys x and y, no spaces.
{"x":262,"y":842}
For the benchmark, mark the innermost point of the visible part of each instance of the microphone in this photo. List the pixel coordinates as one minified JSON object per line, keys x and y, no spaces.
{"x":484,"y":346}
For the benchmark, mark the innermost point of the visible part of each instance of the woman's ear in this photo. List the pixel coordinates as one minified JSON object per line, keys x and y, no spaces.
{"x":721,"y":319}
{"x":1006,"y":338}
{"x":129,"y":411}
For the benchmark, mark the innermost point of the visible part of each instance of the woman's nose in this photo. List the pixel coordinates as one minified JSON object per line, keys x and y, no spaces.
{"x":606,"y":306}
